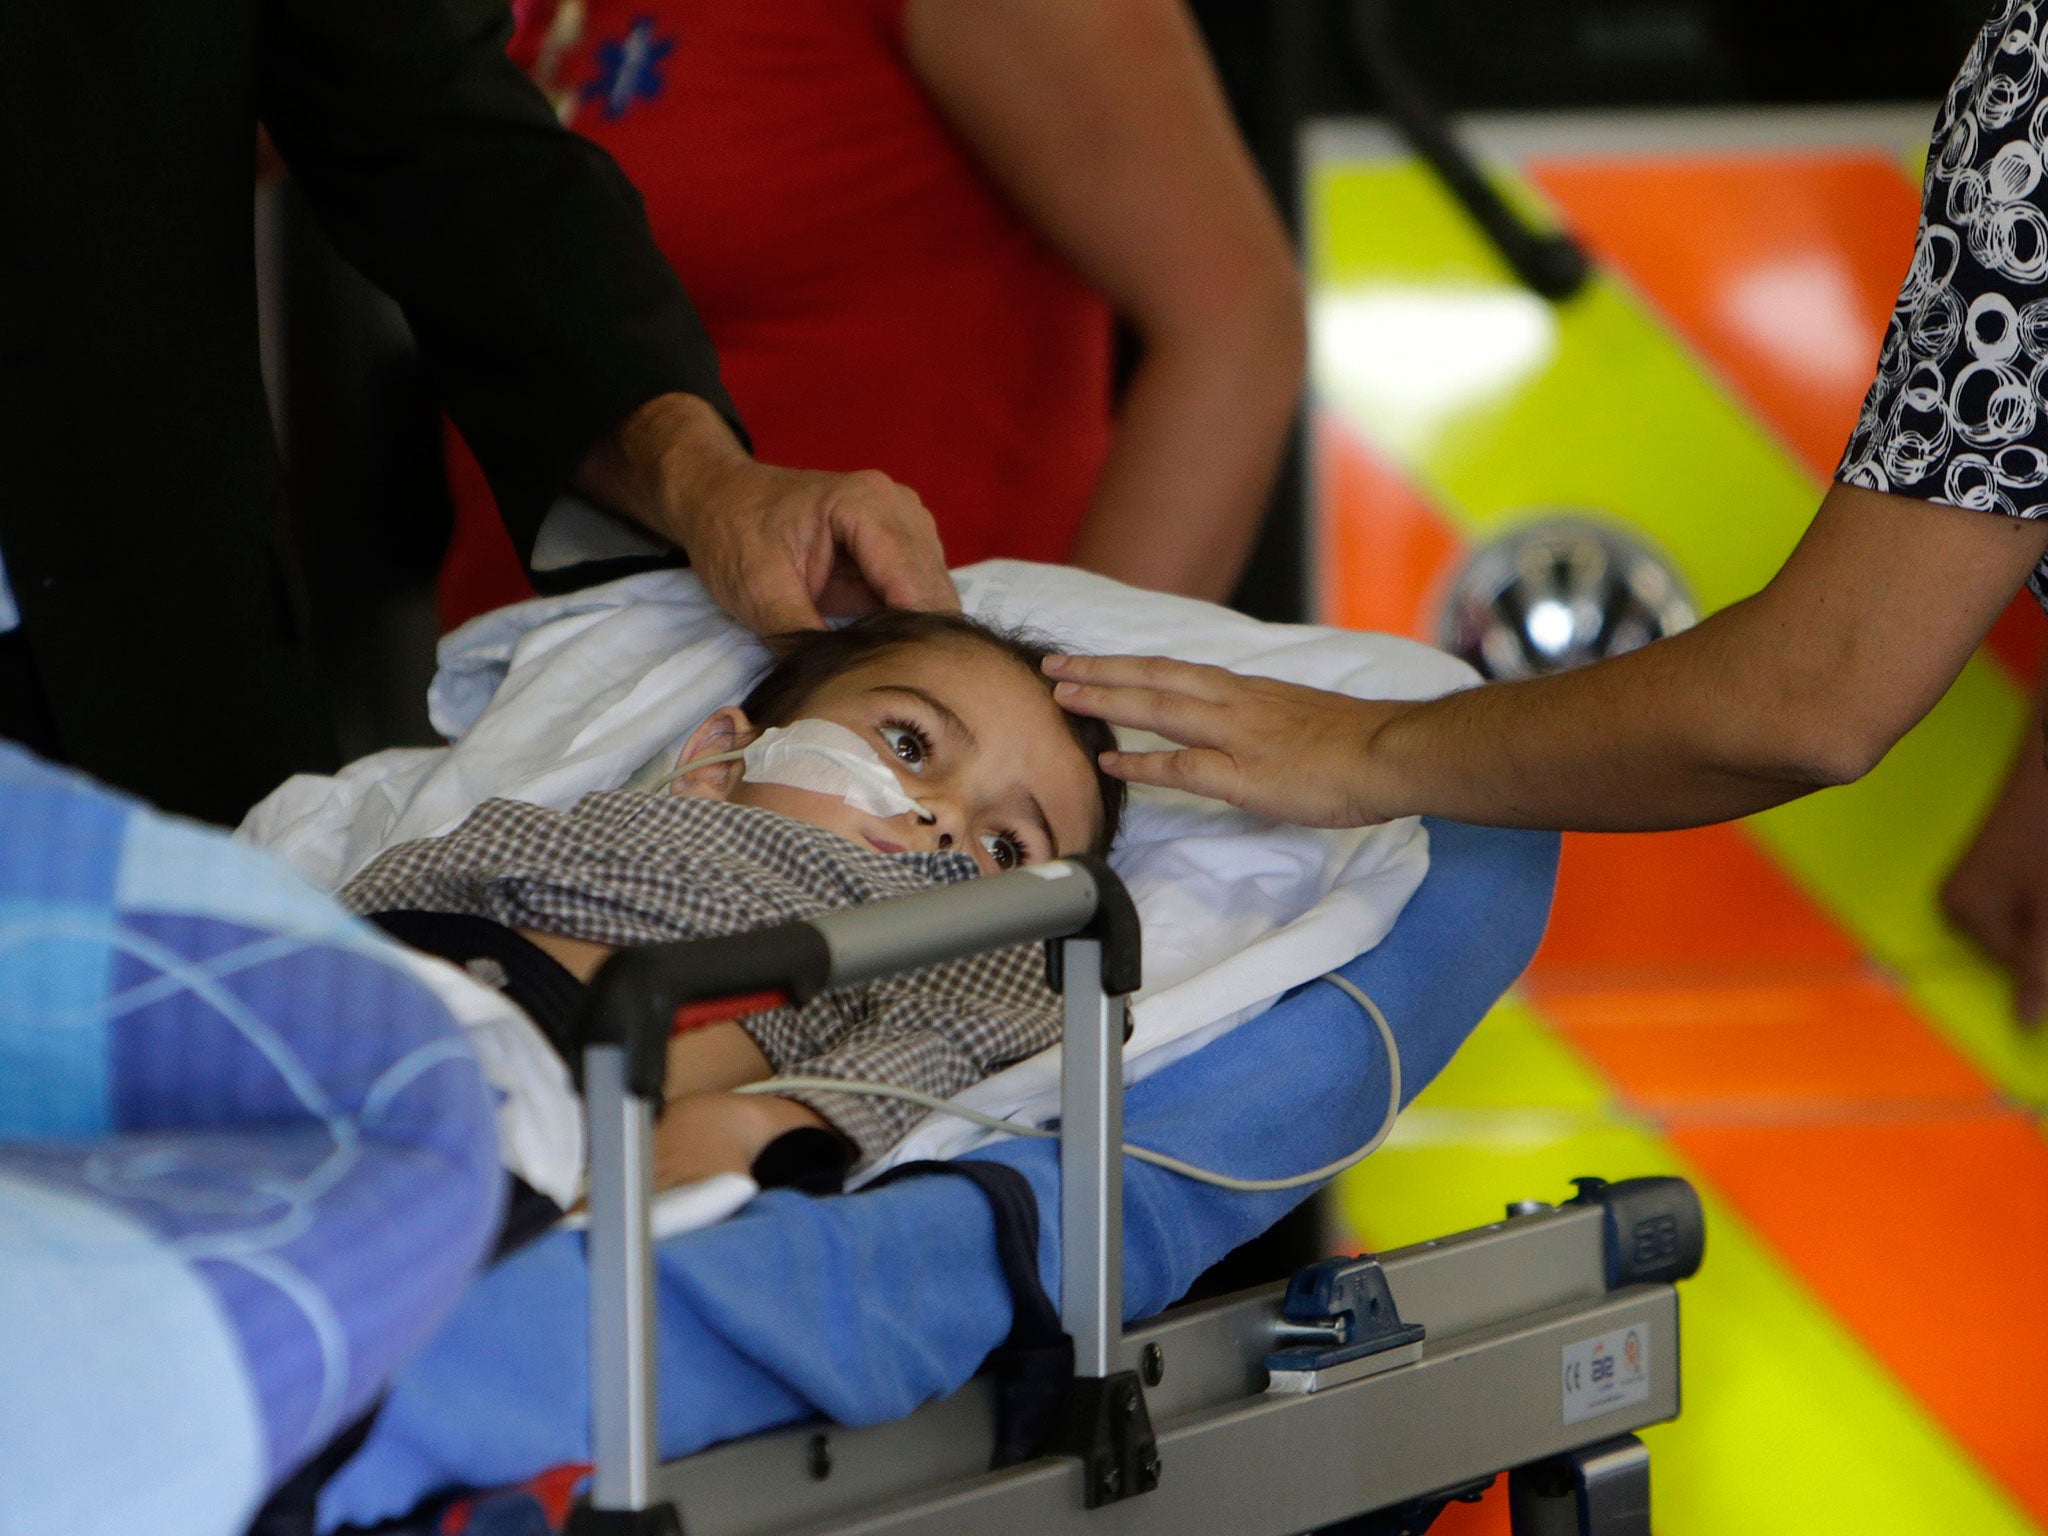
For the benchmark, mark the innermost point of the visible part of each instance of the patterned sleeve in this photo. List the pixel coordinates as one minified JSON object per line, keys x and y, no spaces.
{"x":1959,"y":410}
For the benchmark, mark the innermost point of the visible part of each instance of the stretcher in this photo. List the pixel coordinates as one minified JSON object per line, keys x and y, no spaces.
{"x":243,"y":993}
{"x":1365,"y":1394}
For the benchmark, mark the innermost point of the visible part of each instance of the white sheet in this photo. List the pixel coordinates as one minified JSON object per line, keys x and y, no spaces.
{"x":539,"y":1113}
{"x":549,"y":700}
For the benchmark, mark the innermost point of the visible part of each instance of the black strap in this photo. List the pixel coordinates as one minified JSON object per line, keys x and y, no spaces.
{"x":534,"y":979}
{"x":528,"y":1214}
{"x":294,"y":1509}
{"x":1034,"y":1365}
{"x":809,"y":1158}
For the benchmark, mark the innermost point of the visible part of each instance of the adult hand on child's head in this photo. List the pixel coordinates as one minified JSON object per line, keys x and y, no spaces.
{"x":1293,"y":753}
{"x":776,"y":548}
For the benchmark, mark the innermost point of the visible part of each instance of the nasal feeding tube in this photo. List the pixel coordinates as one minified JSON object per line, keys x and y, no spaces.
{"x":823,"y":757}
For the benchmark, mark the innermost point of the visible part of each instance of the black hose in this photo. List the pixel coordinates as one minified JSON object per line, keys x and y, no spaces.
{"x":1551,"y":263}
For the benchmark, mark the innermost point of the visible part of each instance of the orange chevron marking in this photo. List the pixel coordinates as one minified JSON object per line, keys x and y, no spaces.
{"x":1722,"y":1002}
{"x":1928,"y":1237}
{"x":1800,"y":1084}
{"x":1677,"y":903}
{"x":1763,"y":1047}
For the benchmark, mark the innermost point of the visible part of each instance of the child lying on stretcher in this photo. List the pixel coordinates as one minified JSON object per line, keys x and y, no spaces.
{"x":903,"y":751}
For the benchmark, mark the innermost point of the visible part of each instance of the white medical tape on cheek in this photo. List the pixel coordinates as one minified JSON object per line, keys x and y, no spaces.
{"x":828,"y":759}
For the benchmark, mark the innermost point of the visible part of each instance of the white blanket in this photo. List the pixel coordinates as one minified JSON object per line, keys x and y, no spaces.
{"x":549,"y":700}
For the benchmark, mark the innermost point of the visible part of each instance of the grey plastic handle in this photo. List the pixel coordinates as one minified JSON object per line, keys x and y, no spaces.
{"x":1044,"y":901}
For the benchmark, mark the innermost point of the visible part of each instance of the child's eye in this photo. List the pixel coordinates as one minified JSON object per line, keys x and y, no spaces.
{"x":909,"y":744}
{"x":1006,"y":848}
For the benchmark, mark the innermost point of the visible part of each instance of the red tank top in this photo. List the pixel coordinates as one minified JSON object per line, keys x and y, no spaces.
{"x":876,"y":303}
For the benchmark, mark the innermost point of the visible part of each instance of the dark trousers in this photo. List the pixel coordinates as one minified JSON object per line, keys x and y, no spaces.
{"x":208,"y":753}
{"x":24,"y":709}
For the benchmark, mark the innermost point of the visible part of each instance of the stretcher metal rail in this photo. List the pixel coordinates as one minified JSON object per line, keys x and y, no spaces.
{"x":1360,"y":1398}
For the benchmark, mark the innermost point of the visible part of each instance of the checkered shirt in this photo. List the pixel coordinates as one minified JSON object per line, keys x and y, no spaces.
{"x":625,"y":867}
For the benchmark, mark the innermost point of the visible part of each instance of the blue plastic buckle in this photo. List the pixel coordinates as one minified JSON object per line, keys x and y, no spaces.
{"x":1348,"y":1303}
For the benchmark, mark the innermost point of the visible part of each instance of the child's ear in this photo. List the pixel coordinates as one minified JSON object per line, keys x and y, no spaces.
{"x":726,"y":731}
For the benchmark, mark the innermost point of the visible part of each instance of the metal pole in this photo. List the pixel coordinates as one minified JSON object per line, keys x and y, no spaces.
{"x":1091,"y":1161}
{"x":621,"y":1262}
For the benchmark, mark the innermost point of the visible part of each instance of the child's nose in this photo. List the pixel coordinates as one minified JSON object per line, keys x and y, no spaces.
{"x":945,"y":828}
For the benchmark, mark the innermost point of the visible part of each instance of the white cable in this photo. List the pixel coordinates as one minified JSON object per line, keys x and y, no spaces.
{"x":1142,"y":1154}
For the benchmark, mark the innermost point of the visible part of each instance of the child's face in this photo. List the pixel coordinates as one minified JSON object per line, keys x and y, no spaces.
{"x":972,"y":736}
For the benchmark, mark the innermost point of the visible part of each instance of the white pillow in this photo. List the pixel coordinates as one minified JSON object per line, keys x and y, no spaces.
{"x":552,"y":699}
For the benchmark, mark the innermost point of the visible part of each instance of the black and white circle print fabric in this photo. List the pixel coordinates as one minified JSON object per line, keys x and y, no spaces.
{"x":1959,"y":411}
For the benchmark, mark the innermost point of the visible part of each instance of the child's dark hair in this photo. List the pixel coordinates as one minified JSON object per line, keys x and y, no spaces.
{"x":807,"y":659}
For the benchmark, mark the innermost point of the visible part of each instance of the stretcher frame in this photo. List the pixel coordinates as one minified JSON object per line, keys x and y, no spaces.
{"x":1177,"y":1426}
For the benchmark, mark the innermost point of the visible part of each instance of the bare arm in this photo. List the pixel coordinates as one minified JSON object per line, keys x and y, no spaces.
{"x":1104,"y":123}
{"x":1806,"y":684}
